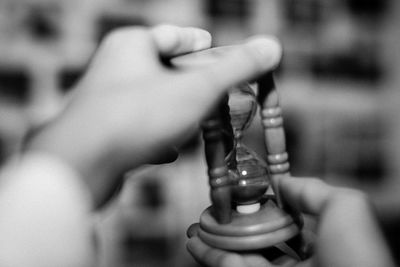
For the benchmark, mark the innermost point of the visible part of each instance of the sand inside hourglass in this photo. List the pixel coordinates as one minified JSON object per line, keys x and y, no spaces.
{"x":249,"y":171}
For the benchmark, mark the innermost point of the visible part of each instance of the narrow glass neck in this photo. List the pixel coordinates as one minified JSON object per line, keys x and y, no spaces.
{"x":238,"y":136}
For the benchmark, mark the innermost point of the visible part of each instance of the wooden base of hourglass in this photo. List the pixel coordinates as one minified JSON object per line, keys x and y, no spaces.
{"x":265,"y":228}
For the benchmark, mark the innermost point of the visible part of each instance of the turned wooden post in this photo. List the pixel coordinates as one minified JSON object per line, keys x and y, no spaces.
{"x":272,"y":121}
{"x":274,"y":133}
{"x":274,"y":136}
{"x":215,"y":152}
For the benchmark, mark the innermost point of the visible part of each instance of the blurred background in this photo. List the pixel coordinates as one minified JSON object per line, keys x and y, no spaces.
{"x":339,"y":85}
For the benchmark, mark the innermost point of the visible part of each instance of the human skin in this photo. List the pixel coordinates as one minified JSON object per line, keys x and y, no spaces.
{"x":347,"y":233}
{"x":130,"y":108}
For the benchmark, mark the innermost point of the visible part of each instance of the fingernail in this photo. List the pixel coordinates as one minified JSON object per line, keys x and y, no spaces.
{"x":268,"y":48}
{"x":202,"y":39}
{"x":189,"y":234}
{"x":192,"y":230}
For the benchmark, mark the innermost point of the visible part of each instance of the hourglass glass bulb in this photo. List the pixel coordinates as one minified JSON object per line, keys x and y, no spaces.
{"x":243,"y":107}
{"x":248,"y":171}
{"x":252,"y":179}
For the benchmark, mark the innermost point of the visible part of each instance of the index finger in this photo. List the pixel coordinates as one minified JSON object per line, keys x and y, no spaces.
{"x":201,"y":83}
{"x":240,"y":63}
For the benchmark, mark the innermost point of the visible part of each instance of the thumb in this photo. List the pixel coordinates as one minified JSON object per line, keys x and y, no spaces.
{"x":210,"y":75}
{"x":239,"y":64}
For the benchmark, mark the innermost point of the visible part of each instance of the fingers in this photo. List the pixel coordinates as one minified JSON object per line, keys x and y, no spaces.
{"x":241,"y":63}
{"x":312,"y":196}
{"x":212,"y":257}
{"x":200,"y":86}
{"x":309,"y":195}
{"x":173,"y":40}
{"x":345,"y":218}
{"x":127,"y":49}
{"x":144,"y":46}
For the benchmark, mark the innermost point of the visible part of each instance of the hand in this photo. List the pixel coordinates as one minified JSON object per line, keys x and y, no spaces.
{"x":347,"y":232}
{"x":129,"y":108}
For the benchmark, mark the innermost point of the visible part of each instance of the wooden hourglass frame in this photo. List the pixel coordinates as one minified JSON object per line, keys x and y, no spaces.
{"x":221,"y":225}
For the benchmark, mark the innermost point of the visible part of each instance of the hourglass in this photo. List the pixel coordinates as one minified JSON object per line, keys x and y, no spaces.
{"x":243,"y":217}
{"x":248,"y":172}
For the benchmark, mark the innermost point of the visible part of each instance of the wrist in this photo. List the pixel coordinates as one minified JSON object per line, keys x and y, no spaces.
{"x":72,"y":144}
